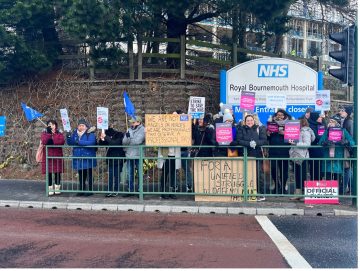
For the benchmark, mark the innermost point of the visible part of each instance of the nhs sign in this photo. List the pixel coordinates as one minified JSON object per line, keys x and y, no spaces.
{"x":273,"y":70}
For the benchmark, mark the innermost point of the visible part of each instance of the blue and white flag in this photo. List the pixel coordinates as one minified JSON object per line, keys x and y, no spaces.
{"x":30,"y":113}
{"x":129,"y":107}
{"x":2,"y":125}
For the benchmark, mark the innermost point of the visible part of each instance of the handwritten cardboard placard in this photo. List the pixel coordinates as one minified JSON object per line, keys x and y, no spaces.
{"x":247,"y":100}
{"x":321,"y":192}
{"x":335,"y":134}
{"x":224,"y":133}
{"x":168,"y":130}
{"x":196,"y":107}
{"x":224,"y":177}
{"x":292,"y":131}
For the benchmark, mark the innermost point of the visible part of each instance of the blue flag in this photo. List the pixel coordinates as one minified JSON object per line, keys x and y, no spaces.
{"x":129,"y":107}
{"x":2,"y":125}
{"x":30,"y":113}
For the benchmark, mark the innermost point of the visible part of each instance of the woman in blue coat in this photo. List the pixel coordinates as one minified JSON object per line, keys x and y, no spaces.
{"x":82,"y":137}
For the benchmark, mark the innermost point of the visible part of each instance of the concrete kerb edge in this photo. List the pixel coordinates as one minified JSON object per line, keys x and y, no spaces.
{"x":31,"y":204}
{"x":54,"y":205}
{"x":9,"y":203}
{"x":104,"y":207}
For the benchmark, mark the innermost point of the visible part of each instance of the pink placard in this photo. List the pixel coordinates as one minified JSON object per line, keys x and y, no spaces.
{"x":272,"y":127}
{"x":247,"y":100}
{"x":224,"y":133}
{"x":292,"y":131}
{"x":321,"y":192}
{"x":335,"y":134}
{"x":321,"y":130}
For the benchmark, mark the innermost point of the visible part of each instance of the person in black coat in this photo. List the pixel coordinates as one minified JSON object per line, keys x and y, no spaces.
{"x":203,"y":135}
{"x":252,"y":136}
{"x":281,"y":117}
{"x":114,"y":139}
{"x":318,"y":125}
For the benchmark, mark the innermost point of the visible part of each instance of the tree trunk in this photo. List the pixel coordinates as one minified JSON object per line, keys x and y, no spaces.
{"x":175,"y":27}
{"x":278,"y":44}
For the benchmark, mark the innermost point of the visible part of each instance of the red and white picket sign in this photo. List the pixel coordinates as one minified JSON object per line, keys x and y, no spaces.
{"x":322,"y":192}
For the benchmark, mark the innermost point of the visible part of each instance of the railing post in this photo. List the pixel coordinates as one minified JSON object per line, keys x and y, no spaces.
{"x":182,"y":56}
{"x":47,"y":173}
{"x":91,"y":69}
{"x":141,"y":173}
{"x":139,"y":58}
{"x":234,"y":54}
{"x":245,"y":175}
{"x":131,"y":59}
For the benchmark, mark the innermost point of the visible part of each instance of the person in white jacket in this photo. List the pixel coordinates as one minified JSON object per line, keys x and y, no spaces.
{"x":306,"y":137}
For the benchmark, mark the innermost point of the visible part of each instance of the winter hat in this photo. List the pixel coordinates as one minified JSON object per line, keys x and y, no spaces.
{"x":207,"y":118}
{"x":110,"y":132}
{"x":314,"y":116}
{"x":309,"y":110}
{"x":83,"y":121}
{"x":348,"y":109}
{"x":225,"y":106}
{"x":227,"y":116}
{"x":136,"y":119}
{"x":337,"y":118}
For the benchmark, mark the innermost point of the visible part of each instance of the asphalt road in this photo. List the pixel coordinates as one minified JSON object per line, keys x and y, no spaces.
{"x":37,"y":238}
{"x":324,"y":242}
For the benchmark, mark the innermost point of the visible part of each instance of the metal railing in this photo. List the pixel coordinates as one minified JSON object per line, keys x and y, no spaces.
{"x":215,"y":178}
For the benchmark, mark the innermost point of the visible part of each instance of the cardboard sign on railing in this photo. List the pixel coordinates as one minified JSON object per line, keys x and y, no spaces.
{"x":168,"y":130}
{"x":224,"y":177}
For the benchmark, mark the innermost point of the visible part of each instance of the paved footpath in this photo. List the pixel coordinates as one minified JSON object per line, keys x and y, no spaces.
{"x":31,"y":194}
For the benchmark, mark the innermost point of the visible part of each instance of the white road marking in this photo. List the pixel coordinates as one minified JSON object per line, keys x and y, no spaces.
{"x":290,"y":253}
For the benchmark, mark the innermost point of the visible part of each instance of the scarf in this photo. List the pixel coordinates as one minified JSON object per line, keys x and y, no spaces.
{"x":281,"y":122}
{"x":80,"y":133}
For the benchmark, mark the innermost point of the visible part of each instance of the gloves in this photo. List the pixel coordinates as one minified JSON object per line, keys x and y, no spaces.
{"x":233,"y":143}
{"x":48,"y":130}
{"x":252,"y":144}
{"x":127,"y":134}
{"x":50,"y":142}
{"x":68,"y":134}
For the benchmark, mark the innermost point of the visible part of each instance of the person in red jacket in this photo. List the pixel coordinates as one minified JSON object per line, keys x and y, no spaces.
{"x":52,"y":136}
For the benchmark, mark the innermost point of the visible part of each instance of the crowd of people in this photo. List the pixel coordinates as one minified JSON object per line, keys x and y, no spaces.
{"x":250,"y":133}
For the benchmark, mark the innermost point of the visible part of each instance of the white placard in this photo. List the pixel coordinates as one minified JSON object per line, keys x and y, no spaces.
{"x":275,"y":101}
{"x":196,"y":107}
{"x":102,"y":119}
{"x":65,"y":119}
{"x":322,"y":100}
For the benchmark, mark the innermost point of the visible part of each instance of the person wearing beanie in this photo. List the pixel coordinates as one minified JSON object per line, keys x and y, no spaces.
{"x":80,"y":138}
{"x":307,"y":113}
{"x":111,"y":138}
{"x":227,"y":118}
{"x":318,"y":125}
{"x":333,"y":169}
{"x":348,"y":124}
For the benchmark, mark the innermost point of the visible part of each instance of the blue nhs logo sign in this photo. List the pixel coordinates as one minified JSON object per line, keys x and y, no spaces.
{"x":273,"y":70}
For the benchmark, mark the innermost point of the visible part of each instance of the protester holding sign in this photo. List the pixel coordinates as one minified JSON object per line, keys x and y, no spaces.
{"x":134,"y":136}
{"x":52,"y":136}
{"x":317,"y":125}
{"x":306,"y":137}
{"x":252,"y":136}
{"x":227,"y":119}
{"x":203,"y":135}
{"x":113,"y":139}
{"x":348,"y":124}
{"x":334,"y":148}
{"x":82,"y":137}
{"x":281,"y":117}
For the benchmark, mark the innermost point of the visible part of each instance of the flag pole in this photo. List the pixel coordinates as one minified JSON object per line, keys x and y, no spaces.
{"x":42,"y":122}
{"x":126,"y":119}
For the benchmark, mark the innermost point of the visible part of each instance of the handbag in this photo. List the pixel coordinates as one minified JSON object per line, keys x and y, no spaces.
{"x":39,"y":153}
{"x":232,"y":153}
{"x":265,"y":163}
{"x":295,"y":153}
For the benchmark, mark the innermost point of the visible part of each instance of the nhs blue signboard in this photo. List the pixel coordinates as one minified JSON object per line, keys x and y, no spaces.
{"x":273,"y":70}
{"x":270,"y":76}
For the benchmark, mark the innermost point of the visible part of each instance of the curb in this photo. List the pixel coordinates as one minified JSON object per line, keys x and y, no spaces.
{"x":175,"y":208}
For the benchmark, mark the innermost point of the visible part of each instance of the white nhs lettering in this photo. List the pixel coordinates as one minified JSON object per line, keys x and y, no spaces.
{"x":273,"y":70}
